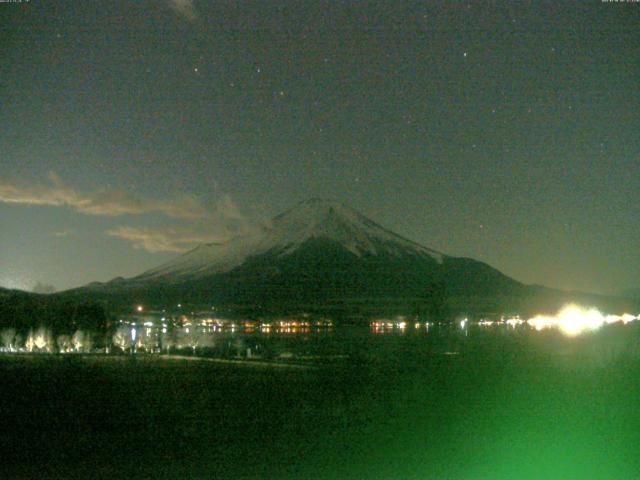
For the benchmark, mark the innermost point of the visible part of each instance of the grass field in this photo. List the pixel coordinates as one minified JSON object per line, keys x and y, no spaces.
{"x":532,"y":406}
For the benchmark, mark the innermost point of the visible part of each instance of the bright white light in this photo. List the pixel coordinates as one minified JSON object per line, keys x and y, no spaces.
{"x":133,"y":334}
{"x":463,"y":323}
{"x":624,"y":318}
{"x":541,"y":322}
{"x":41,"y":341}
{"x":513,"y":322}
{"x":573,"y":320}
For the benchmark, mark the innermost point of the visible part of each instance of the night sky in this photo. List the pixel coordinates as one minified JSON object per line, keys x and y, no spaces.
{"x":504,"y":132}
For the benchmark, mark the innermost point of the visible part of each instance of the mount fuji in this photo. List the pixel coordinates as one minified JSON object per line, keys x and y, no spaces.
{"x":319,"y":256}
{"x":289,"y":232}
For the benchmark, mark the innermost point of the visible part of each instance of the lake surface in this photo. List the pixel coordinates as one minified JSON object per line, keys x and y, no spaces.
{"x":481,"y":404}
{"x":372,"y":344}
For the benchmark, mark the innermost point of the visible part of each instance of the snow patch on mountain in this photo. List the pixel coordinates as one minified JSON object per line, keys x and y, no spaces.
{"x":312,"y":219}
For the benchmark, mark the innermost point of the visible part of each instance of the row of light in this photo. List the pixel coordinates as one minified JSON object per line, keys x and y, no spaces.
{"x":572,"y":320}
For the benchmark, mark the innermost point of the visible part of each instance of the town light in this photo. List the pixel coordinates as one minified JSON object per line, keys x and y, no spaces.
{"x":573,"y":320}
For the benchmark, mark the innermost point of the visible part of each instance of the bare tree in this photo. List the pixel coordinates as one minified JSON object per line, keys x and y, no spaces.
{"x":44,"y":340}
{"x":17,"y":342}
{"x":82,"y":341}
{"x":40,"y":340}
{"x":8,"y":336}
{"x":148,"y":339}
{"x":240,"y":346}
{"x":168,"y":341}
{"x":194,"y":337}
{"x":64,"y":343}
{"x":30,"y":343}
{"x":122,"y":338}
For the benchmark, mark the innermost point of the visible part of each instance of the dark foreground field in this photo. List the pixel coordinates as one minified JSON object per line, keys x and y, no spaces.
{"x":504,"y":407}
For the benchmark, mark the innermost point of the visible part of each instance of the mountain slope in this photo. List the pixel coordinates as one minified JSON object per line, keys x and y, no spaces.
{"x":313,"y":219}
{"x":319,"y":256}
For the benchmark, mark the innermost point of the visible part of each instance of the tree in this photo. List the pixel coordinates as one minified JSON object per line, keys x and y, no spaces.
{"x":194,"y":337}
{"x":64,"y":343}
{"x":40,"y":340}
{"x":30,"y":343}
{"x":82,"y":341}
{"x":122,"y":338}
{"x":147,"y":339}
{"x":168,"y":340}
{"x":44,"y":340}
{"x":17,"y":342}
{"x":240,"y":347}
{"x":8,"y":336}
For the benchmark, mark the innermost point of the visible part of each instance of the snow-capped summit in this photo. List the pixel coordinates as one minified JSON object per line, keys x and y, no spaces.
{"x":316,"y":218}
{"x":331,"y":220}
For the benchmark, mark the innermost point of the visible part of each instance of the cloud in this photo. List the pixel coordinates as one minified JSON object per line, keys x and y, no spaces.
{"x":222,"y":224}
{"x":165,"y":239}
{"x":110,"y":203}
{"x":198,"y":225}
{"x":184,"y":8}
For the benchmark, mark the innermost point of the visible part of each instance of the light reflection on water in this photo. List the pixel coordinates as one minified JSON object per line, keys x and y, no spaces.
{"x":294,"y":339}
{"x":383,"y":340}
